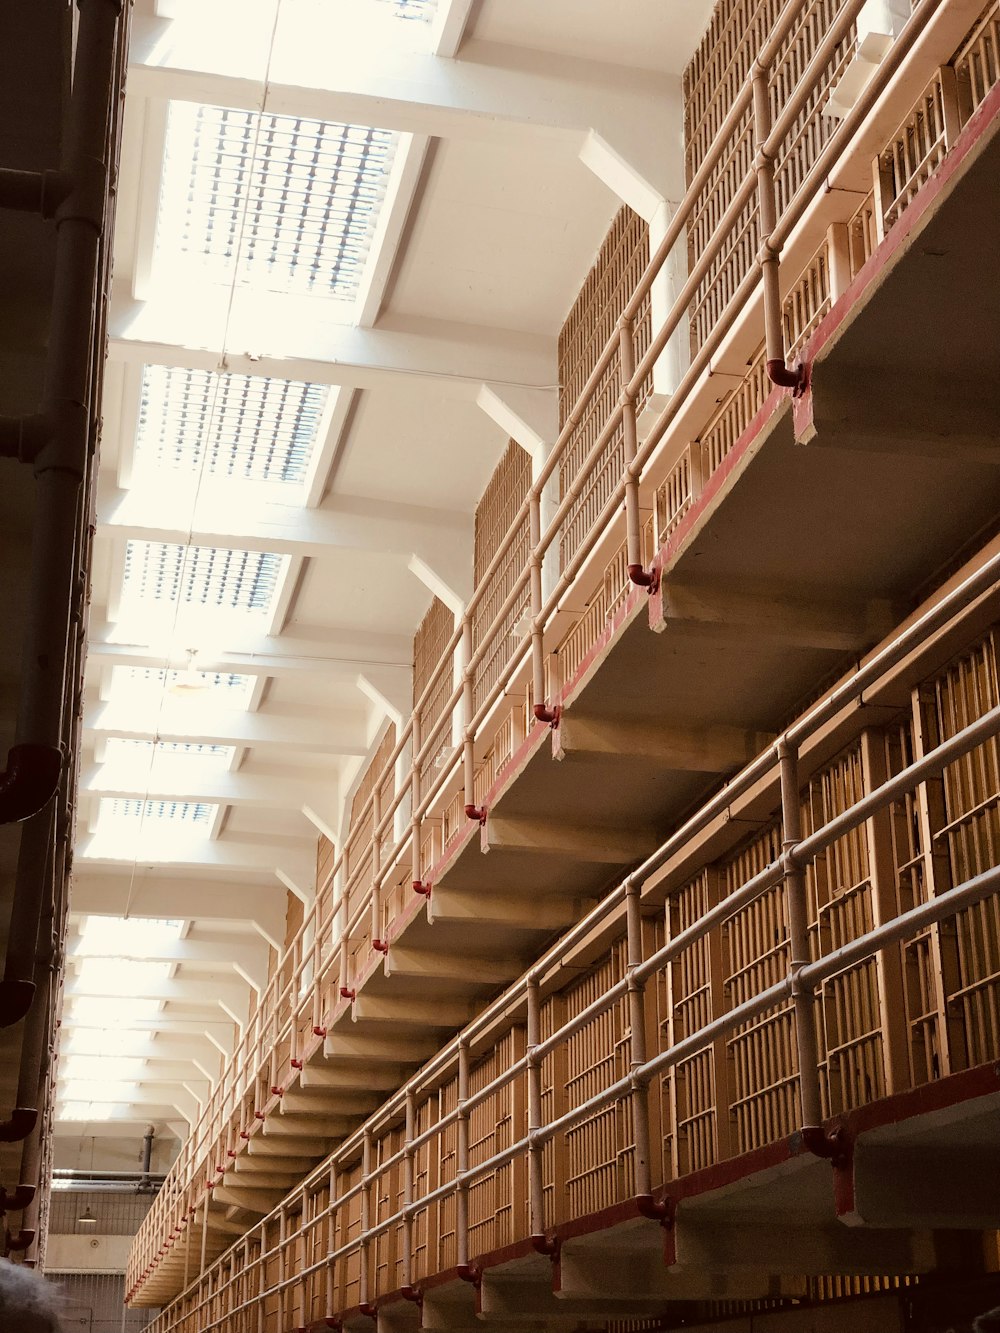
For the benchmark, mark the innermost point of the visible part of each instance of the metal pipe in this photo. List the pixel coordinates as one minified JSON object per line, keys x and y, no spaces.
{"x":472,"y":811}
{"x":637,"y":571}
{"x":35,"y":760}
{"x":637,"y":1051}
{"x":34,"y":864}
{"x":540,"y":710}
{"x":33,"y":191}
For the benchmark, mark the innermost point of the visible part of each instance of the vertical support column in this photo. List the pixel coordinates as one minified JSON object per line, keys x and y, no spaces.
{"x":889,"y":961}
{"x":538,"y":689}
{"x":769,"y":257}
{"x":633,"y":522}
{"x":261,"y":1281}
{"x":950,"y":108}
{"x":282,"y":1266}
{"x":838,"y":249}
{"x":883,"y":194}
{"x":364,"y":1274}
{"x":416,"y":870}
{"x":409,"y":1153}
{"x":637,"y":1057}
{"x":379,"y":944}
{"x":465,"y":1269}
{"x":932,"y":817}
{"x":536,"y":1177}
{"x":472,"y":811}
{"x":803,"y":999}
{"x":204,"y":1233}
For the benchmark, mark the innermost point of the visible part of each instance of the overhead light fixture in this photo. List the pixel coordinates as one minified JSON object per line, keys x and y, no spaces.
{"x":87,"y":1218}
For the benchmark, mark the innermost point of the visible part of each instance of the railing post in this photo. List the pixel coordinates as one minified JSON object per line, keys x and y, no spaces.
{"x":464,"y":1268}
{"x":637,"y":1057}
{"x":409,"y":1154}
{"x":769,"y":257}
{"x":379,"y":944}
{"x":536,"y":1178}
{"x":416,"y":870}
{"x":364,"y":1276}
{"x":798,"y":945}
{"x":472,"y":811}
{"x":637,"y":572}
{"x":538,"y":692}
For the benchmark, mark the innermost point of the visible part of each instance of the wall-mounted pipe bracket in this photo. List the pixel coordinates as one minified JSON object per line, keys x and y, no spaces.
{"x":295,"y":1062}
{"x":319,"y":1030}
{"x":346,"y":993}
{"x":833,"y":1145}
{"x":380,"y":946}
{"x":477,"y":813}
{"x":469,"y":1273}
{"x":411,"y":1293}
{"x":423,"y":889}
{"x":369,"y":1309}
{"x":277,"y":1090}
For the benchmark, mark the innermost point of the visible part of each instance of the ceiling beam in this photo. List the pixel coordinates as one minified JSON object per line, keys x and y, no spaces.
{"x":177,"y":783}
{"x":232,"y":855}
{"x":494,"y":93}
{"x":260,"y":902}
{"x":452,"y":357}
{"x":186,"y":720}
{"x":232,"y":514}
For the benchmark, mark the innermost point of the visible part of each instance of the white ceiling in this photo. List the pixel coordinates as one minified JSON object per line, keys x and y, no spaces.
{"x":489,"y":224}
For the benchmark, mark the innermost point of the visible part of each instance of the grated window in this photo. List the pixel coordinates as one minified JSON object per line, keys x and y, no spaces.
{"x":120,"y":751}
{"x":201,"y":575}
{"x":287,"y":201}
{"x":235,"y":425}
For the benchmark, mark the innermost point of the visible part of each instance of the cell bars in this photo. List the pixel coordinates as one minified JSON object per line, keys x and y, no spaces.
{"x":210,"y":576}
{"x":230,"y":425}
{"x":284,"y":201}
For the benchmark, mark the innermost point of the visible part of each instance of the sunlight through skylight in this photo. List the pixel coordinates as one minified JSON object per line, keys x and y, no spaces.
{"x":285,"y":201}
{"x":126,"y":937}
{"x":227,"y":425}
{"x":119,"y":976}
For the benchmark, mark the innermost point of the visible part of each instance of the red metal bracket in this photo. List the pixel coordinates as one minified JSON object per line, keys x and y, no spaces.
{"x":370,"y":1309}
{"x":795,"y":378}
{"x":258,"y":1115}
{"x":423,"y":889}
{"x":277,"y":1090}
{"x":244,"y":1133}
{"x":470,"y":1273}
{"x":550,"y":716}
{"x":548,"y":1245}
{"x":476,"y":812}
{"x":657,"y":1210}
{"x":410,"y":1293}
{"x":295,"y":1063}
{"x":380,"y":946}
{"x":346,"y":993}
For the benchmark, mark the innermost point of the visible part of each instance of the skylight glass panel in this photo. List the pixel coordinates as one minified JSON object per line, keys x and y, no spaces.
{"x":128,"y":809}
{"x":284,"y":201}
{"x":99,"y":1042}
{"x":227,"y":425}
{"x":126,"y":937}
{"x":119,"y":976}
{"x":94,"y":1090}
{"x":208,"y":576}
{"x":423,"y":10}
{"x":108,"y":1012}
{"x":132,"y":758}
{"x":113,"y":1068}
{"x":225,"y":689}
{"x":77,"y":1110}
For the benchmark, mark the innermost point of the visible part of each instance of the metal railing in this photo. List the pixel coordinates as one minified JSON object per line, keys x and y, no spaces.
{"x":326,"y":1249}
{"x":368,"y":892}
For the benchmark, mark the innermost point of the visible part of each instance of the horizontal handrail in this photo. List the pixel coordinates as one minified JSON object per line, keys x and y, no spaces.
{"x":322,"y":938}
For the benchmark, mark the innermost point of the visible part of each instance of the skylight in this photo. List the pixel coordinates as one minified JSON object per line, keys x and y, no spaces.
{"x":107,"y":1012}
{"x":209,"y":576}
{"x":119,"y":976}
{"x":93,"y":1090}
{"x":128,"y":809}
{"x":223,"y":689}
{"x":97,"y":1041}
{"x":126,"y":937}
{"x":112,"y":1068}
{"x":232,"y":425}
{"x":288,"y":202}
{"x":79,"y":1110}
{"x":133,"y":760}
